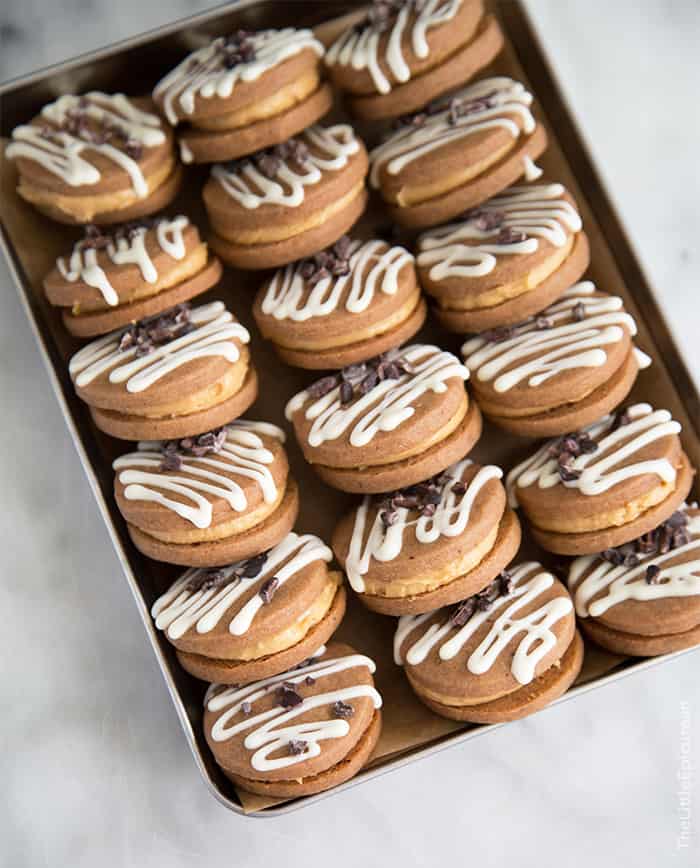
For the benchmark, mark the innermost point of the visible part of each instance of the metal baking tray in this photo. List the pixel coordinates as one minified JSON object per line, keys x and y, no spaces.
{"x":135,"y":65}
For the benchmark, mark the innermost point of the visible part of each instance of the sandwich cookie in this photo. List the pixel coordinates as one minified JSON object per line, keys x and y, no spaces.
{"x":300,"y":732}
{"x":458,"y":153}
{"x":111,"y":279}
{"x":406,"y":53}
{"x":182,"y":373}
{"x":506,"y":260}
{"x":497,"y":656}
{"x":348,"y":303}
{"x":558,"y":371}
{"x":289,"y":201}
{"x":102,"y":158}
{"x":254,"y":618}
{"x":643,"y":598}
{"x":604,"y":485}
{"x":431,"y":544}
{"x":244,"y":92}
{"x":208,"y":500}
{"x":387,"y":423}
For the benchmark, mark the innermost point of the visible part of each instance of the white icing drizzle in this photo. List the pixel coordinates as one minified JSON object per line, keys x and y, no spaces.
{"x":214,"y":335}
{"x":386,"y":406}
{"x":243,"y":454}
{"x":330,"y":148}
{"x":384,"y":544}
{"x":372,"y":268}
{"x":358,"y":48}
{"x":622,"y":583}
{"x":536,"y":355}
{"x":203,"y":73}
{"x":127,"y":249}
{"x":272,"y":730}
{"x":614,"y":448}
{"x":538,"y":211}
{"x":529,"y":581}
{"x":532,"y":171}
{"x":181,"y":608}
{"x":64,"y":154}
{"x":508,"y":98}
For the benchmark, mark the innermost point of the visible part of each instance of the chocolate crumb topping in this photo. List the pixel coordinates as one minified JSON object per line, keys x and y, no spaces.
{"x":510,"y":236}
{"x":309,"y":680}
{"x":482,"y":602}
{"x":568,"y":448}
{"x":334,"y":261}
{"x":175,"y":450}
{"x":543,"y":322}
{"x":296,"y":746}
{"x":354,"y":381}
{"x":80,"y":125}
{"x":499,"y":334}
{"x":237,"y":48}
{"x":342,"y":709}
{"x":485,"y":220}
{"x":424,"y":497}
{"x":578,"y":311}
{"x":671,"y":534}
{"x":287,"y":696}
{"x":653,"y":575}
{"x":270,"y":160}
{"x":205,"y":580}
{"x":267,"y":591}
{"x":148,"y":334}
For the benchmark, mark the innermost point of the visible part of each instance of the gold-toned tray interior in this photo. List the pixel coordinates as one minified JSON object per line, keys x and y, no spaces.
{"x":35,"y":242}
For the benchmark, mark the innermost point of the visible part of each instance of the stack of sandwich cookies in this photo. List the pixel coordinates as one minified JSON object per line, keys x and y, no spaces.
{"x":429,"y":545}
{"x":497,"y":656}
{"x":208,"y":500}
{"x":111,"y":279}
{"x":102,"y":158}
{"x":344,"y":305}
{"x":288,"y":201}
{"x":390,"y":422}
{"x":254,"y":618}
{"x":244,"y":92}
{"x":405,"y":53}
{"x":505,"y":260}
{"x":643,"y":598}
{"x":560,"y":370}
{"x":176,"y":375}
{"x":458,"y":153}
{"x":604,"y":485}
{"x":300,"y":732}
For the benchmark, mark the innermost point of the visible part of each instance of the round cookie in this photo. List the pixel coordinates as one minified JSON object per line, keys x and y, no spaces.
{"x":431,"y":544}
{"x":499,"y":655}
{"x":604,"y":485}
{"x":387,"y":423}
{"x":182,"y":373}
{"x":289,"y":201}
{"x":458,"y":153}
{"x":138,"y":270}
{"x":102,"y":158}
{"x":406,"y":53}
{"x":558,"y":371}
{"x":244,"y":92}
{"x":300,"y":732}
{"x":348,"y":303}
{"x":643,"y":598}
{"x":254,"y":618}
{"x":209,"y":500}
{"x":506,"y":260}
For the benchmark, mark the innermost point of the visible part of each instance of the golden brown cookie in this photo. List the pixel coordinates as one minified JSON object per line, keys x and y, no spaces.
{"x":557,"y":371}
{"x":289,"y":201}
{"x":387,"y":423}
{"x":406,"y":53}
{"x":244,"y":92}
{"x":176,"y":375}
{"x":431,"y":544}
{"x":256,"y":617}
{"x":458,"y":153}
{"x":102,"y":158}
{"x":300,"y":732}
{"x":208,"y":500}
{"x":643,"y":598}
{"x":499,"y":655}
{"x":111,"y":279}
{"x":604,"y":485}
{"x":346,"y":304}
{"x":504,"y":261}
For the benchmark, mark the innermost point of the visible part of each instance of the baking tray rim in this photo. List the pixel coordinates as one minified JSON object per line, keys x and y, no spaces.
{"x":606,"y":214}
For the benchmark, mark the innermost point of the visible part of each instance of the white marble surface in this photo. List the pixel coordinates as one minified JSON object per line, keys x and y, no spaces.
{"x":96,"y":770}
